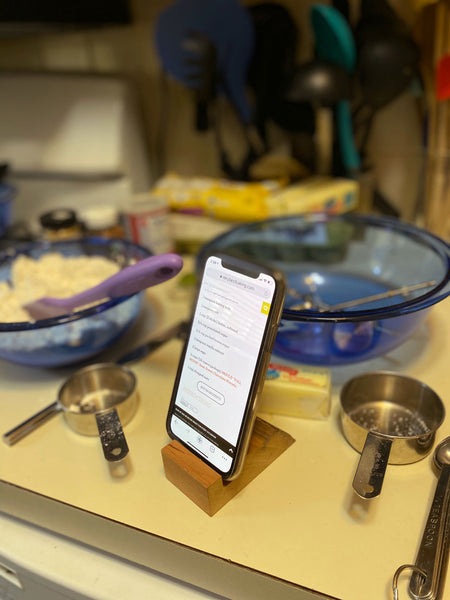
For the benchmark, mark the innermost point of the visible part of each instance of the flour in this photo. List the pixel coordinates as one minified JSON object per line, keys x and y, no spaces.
{"x":50,"y":275}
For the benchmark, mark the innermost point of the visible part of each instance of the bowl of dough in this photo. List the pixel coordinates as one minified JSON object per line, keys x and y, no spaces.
{"x":357,"y":285}
{"x":35,"y":269}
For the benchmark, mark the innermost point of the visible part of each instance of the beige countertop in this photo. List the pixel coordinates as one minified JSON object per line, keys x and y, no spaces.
{"x":298,"y":522}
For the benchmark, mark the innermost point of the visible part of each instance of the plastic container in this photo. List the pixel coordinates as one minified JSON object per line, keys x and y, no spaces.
{"x":146,"y":222}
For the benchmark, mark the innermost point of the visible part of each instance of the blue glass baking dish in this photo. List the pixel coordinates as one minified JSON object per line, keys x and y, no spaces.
{"x":358,"y":285}
{"x":75,"y":337}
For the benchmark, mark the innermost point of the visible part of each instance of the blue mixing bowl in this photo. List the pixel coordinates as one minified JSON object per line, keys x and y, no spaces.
{"x":75,"y":337}
{"x":331,"y":260}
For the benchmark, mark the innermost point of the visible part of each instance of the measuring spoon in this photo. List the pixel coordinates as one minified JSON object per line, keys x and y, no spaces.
{"x":432,"y":557}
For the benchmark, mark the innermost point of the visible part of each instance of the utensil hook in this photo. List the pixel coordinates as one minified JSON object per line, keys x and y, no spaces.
{"x":397,"y":574}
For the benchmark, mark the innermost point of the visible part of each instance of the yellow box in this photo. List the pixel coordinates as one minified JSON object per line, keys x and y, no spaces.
{"x":315,"y":194}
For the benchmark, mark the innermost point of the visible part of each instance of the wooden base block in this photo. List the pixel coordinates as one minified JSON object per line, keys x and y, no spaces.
{"x":204,"y":486}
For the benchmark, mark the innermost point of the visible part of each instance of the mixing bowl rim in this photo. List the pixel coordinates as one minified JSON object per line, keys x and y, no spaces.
{"x":439,"y":291}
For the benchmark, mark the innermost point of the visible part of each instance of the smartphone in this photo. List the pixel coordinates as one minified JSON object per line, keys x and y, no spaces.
{"x":225,"y":359}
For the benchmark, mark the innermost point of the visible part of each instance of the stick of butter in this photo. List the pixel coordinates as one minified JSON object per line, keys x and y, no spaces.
{"x":296,"y":391}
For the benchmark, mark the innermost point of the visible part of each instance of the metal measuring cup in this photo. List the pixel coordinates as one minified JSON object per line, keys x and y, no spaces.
{"x":95,"y":400}
{"x":387,"y":417}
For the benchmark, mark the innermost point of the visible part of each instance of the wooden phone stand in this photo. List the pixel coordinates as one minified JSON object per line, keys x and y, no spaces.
{"x":204,"y":486}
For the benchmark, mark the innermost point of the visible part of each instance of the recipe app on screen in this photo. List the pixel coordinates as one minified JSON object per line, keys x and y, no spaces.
{"x":220,"y":359}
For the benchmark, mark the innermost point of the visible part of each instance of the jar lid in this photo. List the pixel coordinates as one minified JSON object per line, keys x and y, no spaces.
{"x":60,"y":218}
{"x":100,"y":217}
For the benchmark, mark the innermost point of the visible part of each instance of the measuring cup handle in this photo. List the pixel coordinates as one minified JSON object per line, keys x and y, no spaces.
{"x":369,"y":475}
{"x":432,"y":557}
{"x":22,"y":430}
{"x":111,"y":434}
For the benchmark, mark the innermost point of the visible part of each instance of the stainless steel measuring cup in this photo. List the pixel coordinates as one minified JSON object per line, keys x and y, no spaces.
{"x":95,"y":400}
{"x":387,"y":417}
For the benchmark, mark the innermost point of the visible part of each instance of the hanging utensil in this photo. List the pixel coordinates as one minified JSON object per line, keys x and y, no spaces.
{"x":387,"y":65}
{"x":323,"y":84}
{"x":208,"y":45}
{"x":334,"y":42}
{"x":273,"y":61}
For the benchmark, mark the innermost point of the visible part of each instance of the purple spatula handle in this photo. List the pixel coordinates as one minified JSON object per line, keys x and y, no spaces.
{"x":134,"y":278}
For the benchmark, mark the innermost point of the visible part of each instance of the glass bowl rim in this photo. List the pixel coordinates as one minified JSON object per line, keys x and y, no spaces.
{"x":438,"y":292}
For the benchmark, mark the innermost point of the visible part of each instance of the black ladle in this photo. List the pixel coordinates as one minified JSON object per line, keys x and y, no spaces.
{"x":323,"y":84}
{"x":386,"y":67}
{"x":387,"y":64}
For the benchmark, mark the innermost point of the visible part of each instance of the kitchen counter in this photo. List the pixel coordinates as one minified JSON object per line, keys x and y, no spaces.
{"x":297,"y":531}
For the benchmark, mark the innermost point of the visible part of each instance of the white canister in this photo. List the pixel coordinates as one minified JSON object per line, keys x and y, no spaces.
{"x":146,"y":222}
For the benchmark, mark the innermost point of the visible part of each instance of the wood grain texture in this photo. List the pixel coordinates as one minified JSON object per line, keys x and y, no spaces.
{"x":204,"y":486}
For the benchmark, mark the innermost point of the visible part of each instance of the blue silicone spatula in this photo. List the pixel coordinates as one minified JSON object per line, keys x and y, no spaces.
{"x":134,"y":278}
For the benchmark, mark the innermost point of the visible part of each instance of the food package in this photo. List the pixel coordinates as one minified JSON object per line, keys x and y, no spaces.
{"x":219,"y":198}
{"x":299,"y":391}
{"x":315,"y":194}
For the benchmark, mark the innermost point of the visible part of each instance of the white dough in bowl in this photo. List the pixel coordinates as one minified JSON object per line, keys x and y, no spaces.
{"x":50,"y":275}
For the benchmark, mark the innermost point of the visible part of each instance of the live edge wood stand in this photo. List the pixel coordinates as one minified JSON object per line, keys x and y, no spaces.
{"x":204,"y":486}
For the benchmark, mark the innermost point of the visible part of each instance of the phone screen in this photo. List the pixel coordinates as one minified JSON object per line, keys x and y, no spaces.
{"x":217,"y":373}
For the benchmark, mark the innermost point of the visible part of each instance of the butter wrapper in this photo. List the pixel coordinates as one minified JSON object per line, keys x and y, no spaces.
{"x":299,"y":391}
